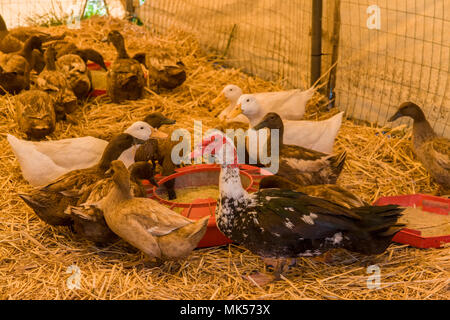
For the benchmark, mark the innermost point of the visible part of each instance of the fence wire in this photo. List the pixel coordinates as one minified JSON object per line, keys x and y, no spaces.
{"x":268,"y":38}
{"x":406,"y":59}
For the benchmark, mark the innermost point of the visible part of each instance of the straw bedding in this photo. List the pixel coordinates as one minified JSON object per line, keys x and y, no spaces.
{"x":34,"y":257}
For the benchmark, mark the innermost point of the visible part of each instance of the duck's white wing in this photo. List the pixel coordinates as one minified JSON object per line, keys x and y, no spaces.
{"x":74,"y":153}
{"x":315,"y":135}
{"x":289,"y":104}
{"x":157,"y":219}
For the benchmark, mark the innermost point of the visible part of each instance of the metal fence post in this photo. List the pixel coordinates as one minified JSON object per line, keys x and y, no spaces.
{"x":316,"y":40}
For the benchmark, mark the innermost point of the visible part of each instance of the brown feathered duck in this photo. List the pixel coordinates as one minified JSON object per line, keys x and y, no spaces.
{"x":433,"y":151}
{"x":159,"y":151}
{"x":164,"y":71}
{"x":89,"y":222}
{"x":63,"y":47}
{"x":56,"y":85}
{"x":284,"y":224}
{"x":146,"y":224}
{"x":35,"y":113}
{"x":125,"y":79}
{"x":300,"y":165}
{"x":50,"y":202}
{"x":15,"y":67}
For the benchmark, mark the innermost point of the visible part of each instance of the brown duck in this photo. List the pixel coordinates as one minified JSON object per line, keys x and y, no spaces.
{"x":146,"y":224}
{"x":125,"y":79}
{"x":35,"y":114}
{"x":164,"y":71}
{"x":87,"y":54}
{"x":431,"y":150}
{"x":55,"y":84}
{"x":88,"y":221}
{"x":50,"y":202}
{"x":300,"y":165}
{"x":15,"y":67}
{"x":77,"y":74}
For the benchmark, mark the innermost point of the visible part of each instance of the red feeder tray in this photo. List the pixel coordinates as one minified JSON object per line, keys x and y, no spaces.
{"x":428,"y":203}
{"x":202,"y":175}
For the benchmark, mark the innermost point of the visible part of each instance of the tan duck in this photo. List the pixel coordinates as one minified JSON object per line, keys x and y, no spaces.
{"x":146,"y":224}
{"x":63,"y":47}
{"x":55,"y":84}
{"x":330,"y":192}
{"x":163,"y":70}
{"x":300,"y":165}
{"x":13,"y":41}
{"x":125,"y":79}
{"x":35,"y":114}
{"x":77,"y":74}
{"x":89,"y":222}
{"x":50,"y":202}
{"x":15,"y":67}
{"x":431,"y":150}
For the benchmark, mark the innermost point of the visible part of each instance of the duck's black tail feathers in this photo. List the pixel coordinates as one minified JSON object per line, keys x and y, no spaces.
{"x":337,"y":163}
{"x":375,"y":230}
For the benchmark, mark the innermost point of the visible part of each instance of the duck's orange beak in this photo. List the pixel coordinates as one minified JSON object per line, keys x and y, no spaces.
{"x":237,"y":110}
{"x":219,"y":99}
{"x":158,"y":134}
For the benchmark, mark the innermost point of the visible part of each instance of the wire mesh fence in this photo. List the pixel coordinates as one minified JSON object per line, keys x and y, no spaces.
{"x":387,"y":51}
{"x":407,"y":59}
{"x":268,"y":38}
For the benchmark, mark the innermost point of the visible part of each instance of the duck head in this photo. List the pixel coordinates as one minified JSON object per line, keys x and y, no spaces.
{"x":408,"y":109}
{"x":247,"y":105}
{"x":91,"y":55}
{"x":116,"y":146}
{"x":143,"y":131}
{"x":231,"y":93}
{"x":157,"y":119}
{"x":118,"y":41}
{"x":271,"y":121}
{"x":33,"y":43}
{"x":143,"y":170}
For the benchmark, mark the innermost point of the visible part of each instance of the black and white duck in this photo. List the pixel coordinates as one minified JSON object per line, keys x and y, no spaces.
{"x":433,"y":151}
{"x":283,"y":224}
{"x":301,"y":165}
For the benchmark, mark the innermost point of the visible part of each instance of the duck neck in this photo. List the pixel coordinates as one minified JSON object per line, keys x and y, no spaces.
{"x":120,"y":48}
{"x":255,"y":118}
{"x":50,"y":62}
{"x":27,"y":51}
{"x":119,"y":192}
{"x":422,"y":131}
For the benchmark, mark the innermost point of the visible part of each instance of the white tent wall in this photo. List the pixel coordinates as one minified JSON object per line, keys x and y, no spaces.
{"x":17,"y":12}
{"x":271,"y":38}
{"x":407,"y":59}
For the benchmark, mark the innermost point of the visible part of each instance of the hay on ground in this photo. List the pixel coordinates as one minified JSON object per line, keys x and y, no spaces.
{"x":34,"y":257}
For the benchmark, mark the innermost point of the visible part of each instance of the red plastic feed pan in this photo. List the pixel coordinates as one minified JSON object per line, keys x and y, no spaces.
{"x":198,"y":175}
{"x":427,"y":203}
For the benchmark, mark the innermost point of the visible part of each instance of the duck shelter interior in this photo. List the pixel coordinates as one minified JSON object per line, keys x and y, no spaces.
{"x":373,"y":55}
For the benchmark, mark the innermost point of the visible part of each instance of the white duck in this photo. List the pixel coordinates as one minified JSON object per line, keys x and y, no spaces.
{"x":315,"y":135}
{"x":44,"y":161}
{"x":290,"y":104}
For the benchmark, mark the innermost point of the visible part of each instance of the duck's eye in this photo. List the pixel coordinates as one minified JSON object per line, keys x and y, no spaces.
{"x":142,"y":128}
{"x":248,"y":100}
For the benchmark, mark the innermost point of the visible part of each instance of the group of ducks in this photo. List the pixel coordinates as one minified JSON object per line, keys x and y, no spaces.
{"x":51,"y":83}
{"x":298,"y":212}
